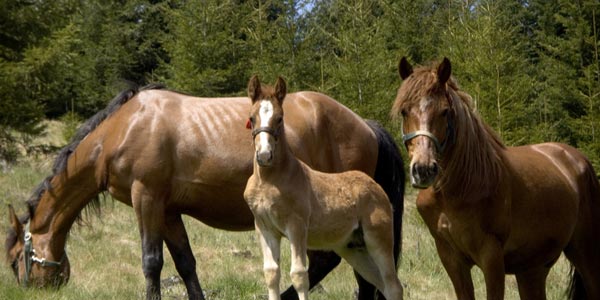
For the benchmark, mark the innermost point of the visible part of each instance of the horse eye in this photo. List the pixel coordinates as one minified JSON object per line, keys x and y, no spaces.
{"x":445,"y":112}
{"x":404,"y":113}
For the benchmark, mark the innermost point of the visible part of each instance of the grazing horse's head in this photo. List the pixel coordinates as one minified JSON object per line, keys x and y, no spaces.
{"x":30,"y":256}
{"x":425,"y":105}
{"x":266,"y":118}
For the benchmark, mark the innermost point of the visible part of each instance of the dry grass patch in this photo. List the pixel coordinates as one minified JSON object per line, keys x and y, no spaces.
{"x":106,"y":258}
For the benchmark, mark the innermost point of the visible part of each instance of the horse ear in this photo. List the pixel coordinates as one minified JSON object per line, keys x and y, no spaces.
{"x":254,"y":88}
{"x":280,"y":89}
{"x":444,"y":71}
{"x":404,"y":68}
{"x":14,"y":220}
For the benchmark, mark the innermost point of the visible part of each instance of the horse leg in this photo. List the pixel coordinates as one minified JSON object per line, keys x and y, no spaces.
{"x":366,"y":291}
{"x":150,"y":216}
{"x":458,"y":270}
{"x":582,"y":252}
{"x":379,"y":241}
{"x":270,"y":246}
{"x":491,"y":262}
{"x":320,"y":263}
{"x":298,"y":274}
{"x":532,"y":283}
{"x":178,"y":243}
{"x":363,"y":264}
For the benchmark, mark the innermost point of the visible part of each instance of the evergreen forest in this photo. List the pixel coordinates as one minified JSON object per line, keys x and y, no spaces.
{"x":531,"y":66}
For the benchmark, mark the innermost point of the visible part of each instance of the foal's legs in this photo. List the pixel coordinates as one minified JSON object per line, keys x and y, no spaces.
{"x":150,"y":215}
{"x":270,"y":245}
{"x":363,"y":264}
{"x":177,"y":241}
{"x":532,"y":283}
{"x":320,"y":263}
{"x":379,"y":242}
{"x":299,"y":275}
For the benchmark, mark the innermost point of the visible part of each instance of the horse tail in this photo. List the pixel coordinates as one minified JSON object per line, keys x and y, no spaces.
{"x":576,"y":290}
{"x":585,"y":271}
{"x":389,"y":174}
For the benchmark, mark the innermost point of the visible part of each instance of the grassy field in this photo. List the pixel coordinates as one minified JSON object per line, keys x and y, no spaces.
{"x":106,"y":264}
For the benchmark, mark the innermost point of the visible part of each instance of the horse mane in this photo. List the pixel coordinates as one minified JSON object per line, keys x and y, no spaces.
{"x":60,"y":163}
{"x":475,"y":159}
{"x":475,"y":155}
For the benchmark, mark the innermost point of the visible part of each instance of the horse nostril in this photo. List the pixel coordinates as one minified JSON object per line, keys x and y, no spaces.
{"x":414,"y":171}
{"x":434,"y":168}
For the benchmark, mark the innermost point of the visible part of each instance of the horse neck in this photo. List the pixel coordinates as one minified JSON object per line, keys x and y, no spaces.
{"x":285,"y":163}
{"x":61,"y":203}
{"x":474,"y":162}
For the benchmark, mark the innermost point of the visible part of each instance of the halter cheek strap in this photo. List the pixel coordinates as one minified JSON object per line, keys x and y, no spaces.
{"x":30,"y":257}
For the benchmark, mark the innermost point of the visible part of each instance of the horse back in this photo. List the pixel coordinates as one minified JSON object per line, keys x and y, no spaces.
{"x":333,"y":132}
{"x":197,"y":152}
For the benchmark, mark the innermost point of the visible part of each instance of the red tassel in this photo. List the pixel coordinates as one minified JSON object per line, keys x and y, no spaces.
{"x":248,"y":124}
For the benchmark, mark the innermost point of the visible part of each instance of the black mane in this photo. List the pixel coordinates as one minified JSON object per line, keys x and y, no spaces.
{"x":60,"y":163}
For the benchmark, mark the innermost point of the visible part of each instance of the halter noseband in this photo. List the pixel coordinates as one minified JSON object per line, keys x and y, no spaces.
{"x":440,"y":147}
{"x":30,"y":258}
{"x":269,"y":130}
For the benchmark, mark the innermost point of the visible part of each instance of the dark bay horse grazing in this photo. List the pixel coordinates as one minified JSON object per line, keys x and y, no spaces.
{"x":347,"y":212}
{"x":167,"y":154}
{"x":505,"y":209}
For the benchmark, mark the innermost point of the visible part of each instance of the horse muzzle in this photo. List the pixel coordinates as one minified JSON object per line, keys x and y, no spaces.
{"x":264,"y":158}
{"x":422,"y":175}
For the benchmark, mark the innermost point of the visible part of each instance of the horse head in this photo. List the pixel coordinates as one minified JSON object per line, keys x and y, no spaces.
{"x":266,"y":117}
{"x":426,"y":109}
{"x":31,"y":257}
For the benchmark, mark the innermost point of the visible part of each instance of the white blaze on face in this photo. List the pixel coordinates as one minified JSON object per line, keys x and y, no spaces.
{"x":424,"y":105}
{"x":264,"y":149}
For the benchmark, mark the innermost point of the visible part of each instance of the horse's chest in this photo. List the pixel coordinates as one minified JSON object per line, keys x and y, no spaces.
{"x":454,"y":228}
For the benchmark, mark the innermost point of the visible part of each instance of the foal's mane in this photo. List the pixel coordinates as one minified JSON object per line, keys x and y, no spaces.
{"x":60,"y":163}
{"x":474,"y":159}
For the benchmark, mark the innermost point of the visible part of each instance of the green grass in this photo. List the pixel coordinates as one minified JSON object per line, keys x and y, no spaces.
{"x":106,"y":264}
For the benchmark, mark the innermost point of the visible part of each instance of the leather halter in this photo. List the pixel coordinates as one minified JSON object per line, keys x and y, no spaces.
{"x":440,"y":147}
{"x":30,"y":257}
{"x":269,"y":130}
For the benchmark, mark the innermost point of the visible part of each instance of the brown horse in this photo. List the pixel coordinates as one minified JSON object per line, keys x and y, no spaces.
{"x":167,"y":154}
{"x":347,"y":212}
{"x":505,"y":209}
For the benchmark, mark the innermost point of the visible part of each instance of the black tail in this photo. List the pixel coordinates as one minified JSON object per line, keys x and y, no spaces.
{"x":389,"y":173}
{"x":576,"y":289}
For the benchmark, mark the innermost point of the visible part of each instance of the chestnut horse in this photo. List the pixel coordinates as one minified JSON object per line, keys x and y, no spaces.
{"x":167,"y":154}
{"x":347,"y":212}
{"x":508,"y":210}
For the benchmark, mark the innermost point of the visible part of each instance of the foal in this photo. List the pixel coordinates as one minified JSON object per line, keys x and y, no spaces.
{"x":347,"y":212}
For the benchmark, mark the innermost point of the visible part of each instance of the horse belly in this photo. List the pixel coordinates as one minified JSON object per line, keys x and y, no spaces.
{"x":219,"y":206}
{"x":331,"y":237}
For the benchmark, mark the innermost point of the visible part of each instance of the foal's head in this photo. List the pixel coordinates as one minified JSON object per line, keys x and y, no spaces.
{"x":425,"y":104}
{"x":266,"y":118}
